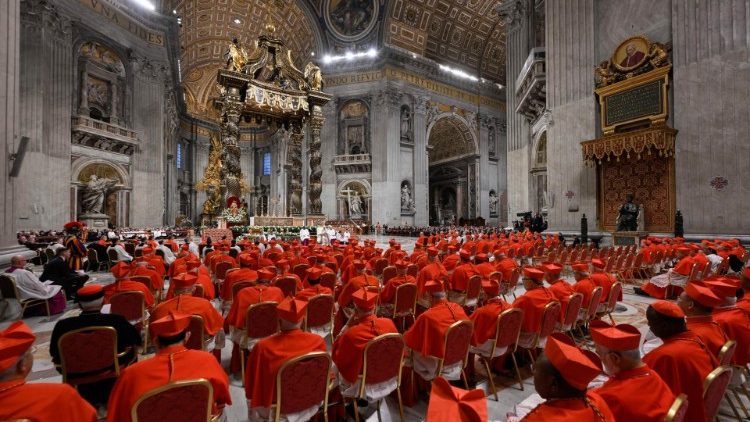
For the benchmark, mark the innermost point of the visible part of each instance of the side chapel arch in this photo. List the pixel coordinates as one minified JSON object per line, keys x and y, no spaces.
{"x":117,"y":201}
{"x":452,"y":156}
{"x":349,"y":188}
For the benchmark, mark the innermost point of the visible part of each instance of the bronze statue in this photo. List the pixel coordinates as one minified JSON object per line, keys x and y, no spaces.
{"x":627,"y":220}
{"x":603,"y":74}
{"x":313,"y":76}
{"x":236,"y":56}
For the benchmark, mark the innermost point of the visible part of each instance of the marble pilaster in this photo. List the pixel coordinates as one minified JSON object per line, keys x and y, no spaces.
{"x":570,"y":43}
{"x":46,"y":82}
{"x":421,"y":169}
{"x":711,"y":84}
{"x":518,"y":44}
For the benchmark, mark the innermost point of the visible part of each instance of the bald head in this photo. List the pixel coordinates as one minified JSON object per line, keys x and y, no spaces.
{"x":18,"y":261}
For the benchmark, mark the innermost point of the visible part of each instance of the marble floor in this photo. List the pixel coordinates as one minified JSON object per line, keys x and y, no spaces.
{"x":509,"y":395}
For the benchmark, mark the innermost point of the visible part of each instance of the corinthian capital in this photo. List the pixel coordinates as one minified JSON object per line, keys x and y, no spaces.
{"x":513,"y":12}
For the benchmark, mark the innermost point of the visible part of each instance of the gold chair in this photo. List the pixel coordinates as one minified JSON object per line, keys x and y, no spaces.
{"x":89,"y":354}
{"x":714,"y":387}
{"x":311,"y":370}
{"x":507,"y":331}
{"x":382,"y":361}
{"x":9,"y":290}
{"x":679,"y":409}
{"x":184,"y":401}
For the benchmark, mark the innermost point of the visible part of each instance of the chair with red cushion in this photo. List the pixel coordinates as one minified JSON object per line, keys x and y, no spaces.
{"x":319,"y":319}
{"x":725,"y":359}
{"x":146,"y":281}
{"x":382,"y":361}
{"x":299,"y":270}
{"x":606,"y":308}
{"x":473,"y":289}
{"x":221,"y":270}
{"x":405,"y":303}
{"x":132,"y":306}
{"x":678,"y":410}
{"x":261,"y":321}
{"x":550,"y":319}
{"x":198,"y":291}
{"x":380,"y":265}
{"x":184,"y":401}
{"x":388,"y":273}
{"x":328,"y":280}
{"x":89,"y":355}
{"x":412,"y":270}
{"x":287,"y":284}
{"x":714,"y":387}
{"x":301,"y":384}
{"x":495,"y":279}
{"x":575,"y":301}
{"x":332,"y":265}
{"x":197,"y":332}
{"x":507,"y":331}
{"x":588,"y":312}
{"x":456,"y":347}
{"x":236,"y":287}
{"x":509,"y":286}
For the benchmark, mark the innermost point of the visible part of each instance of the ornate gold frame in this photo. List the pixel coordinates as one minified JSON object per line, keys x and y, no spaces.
{"x":658,"y":74}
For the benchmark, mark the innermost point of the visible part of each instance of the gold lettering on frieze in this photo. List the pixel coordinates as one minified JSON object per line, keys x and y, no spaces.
{"x":393,"y":73}
{"x":110,"y":12}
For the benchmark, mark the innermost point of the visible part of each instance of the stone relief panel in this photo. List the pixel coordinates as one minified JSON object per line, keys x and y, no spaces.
{"x":354,"y":128}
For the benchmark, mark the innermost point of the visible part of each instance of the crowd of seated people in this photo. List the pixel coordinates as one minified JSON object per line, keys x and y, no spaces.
{"x":461,"y":283}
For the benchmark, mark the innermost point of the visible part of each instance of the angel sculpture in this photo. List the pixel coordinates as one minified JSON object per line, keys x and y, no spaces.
{"x":313,"y":76}
{"x":603,"y":74}
{"x":236,"y":56}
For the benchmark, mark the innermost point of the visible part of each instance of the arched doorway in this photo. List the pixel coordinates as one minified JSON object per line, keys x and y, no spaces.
{"x":353,"y":198}
{"x":453,"y":164}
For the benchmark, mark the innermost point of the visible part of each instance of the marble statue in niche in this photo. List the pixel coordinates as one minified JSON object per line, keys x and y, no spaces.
{"x":405,"y":124}
{"x":407,"y":202}
{"x":355,"y":205}
{"x":493,"y":203}
{"x":94,"y":193}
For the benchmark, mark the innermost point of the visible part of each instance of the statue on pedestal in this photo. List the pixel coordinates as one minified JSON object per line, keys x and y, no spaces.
{"x":355,"y":205}
{"x":493,"y":203}
{"x":405,"y":124}
{"x":406,"y":202}
{"x":94,"y":193}
{"x":627,"y":220}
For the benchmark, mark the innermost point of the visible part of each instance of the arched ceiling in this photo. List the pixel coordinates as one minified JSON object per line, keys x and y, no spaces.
{"x":450,"y":138}
{"x":208,"y":27}
{"x":468,"y":34}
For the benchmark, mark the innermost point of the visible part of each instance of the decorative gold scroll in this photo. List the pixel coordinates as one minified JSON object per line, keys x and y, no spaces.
{"x":658,"y":140}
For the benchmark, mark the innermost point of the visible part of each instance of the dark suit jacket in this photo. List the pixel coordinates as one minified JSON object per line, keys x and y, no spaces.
{"x":57,"y":270}
{"x":101,"y":251}
{"x":127,"y":335}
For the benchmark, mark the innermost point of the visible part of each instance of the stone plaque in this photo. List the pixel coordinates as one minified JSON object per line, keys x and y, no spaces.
{"x":634,"y":103}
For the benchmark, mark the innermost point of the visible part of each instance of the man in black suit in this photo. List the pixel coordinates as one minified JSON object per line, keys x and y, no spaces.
{"x":60,"y":273}
{"x":100,"y":247}
{"x":90,"y":299}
